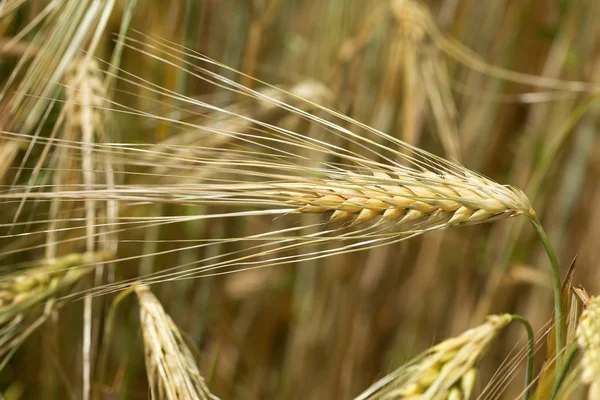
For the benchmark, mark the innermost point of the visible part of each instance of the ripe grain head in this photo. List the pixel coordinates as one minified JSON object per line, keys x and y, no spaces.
{"x":170,"y":365}
{"x":445,"y":371}
{"x":416,"y":200}
{"x":27,"y":297}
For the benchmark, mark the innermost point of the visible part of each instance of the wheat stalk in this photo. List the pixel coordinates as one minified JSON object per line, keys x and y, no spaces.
{"x":273,"y":171}
{"x":170,"y":365}
{"x":445,"y":371}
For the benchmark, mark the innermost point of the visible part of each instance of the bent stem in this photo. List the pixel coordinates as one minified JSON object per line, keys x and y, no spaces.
{"x":558,"y":318}
{"x":530,"y":352}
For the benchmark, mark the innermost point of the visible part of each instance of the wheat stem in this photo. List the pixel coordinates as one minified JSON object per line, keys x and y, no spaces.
{"x":560,"y":377}
{"x":557,"y":287}
{"x":108,"y":332}
{"x":530,"y":352}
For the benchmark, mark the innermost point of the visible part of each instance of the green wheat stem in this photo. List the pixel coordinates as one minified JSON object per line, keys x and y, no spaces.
{"x":560,"y":377}
{"x":108,"y":331}
{"x":530,"y":352}
{"x":557,"y":287}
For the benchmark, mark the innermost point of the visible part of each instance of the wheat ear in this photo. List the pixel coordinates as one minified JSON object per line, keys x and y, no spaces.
{"x":588,"y":338}
{"x":445,"y":371}
{"x":23,"y":295}
{"x":85,"y":102}
{"x":170,"y":366}
{"x":418,"y":198}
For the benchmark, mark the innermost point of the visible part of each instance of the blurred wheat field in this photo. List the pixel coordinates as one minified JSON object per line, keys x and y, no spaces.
{"x":176,"y":177}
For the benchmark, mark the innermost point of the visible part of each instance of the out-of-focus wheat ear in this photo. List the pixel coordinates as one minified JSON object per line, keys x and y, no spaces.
{"x":86,"y":96}
{"x":445,"y":371}
{"x":84,"y":122}
{"x":28,"y":297}
{"x":424,"y":67}
{"x":84,"y":116}
{"x":170,"y":365}
{"x":176,"y":158}
{"x":588,"y":338}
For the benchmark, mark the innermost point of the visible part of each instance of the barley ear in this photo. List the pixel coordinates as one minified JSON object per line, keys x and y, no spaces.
{"x":413,"y":200}
{"x":170,"y":366}
{"x":28,"y":297}
{"x":588,"y":339}
{"x":445,"y":371}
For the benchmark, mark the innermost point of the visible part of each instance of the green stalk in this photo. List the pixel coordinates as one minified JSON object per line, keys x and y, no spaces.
{"x":530,"y":353}
{"x":108,"y":331}
{"x":556,"y":283}
{"x":560,"y":377}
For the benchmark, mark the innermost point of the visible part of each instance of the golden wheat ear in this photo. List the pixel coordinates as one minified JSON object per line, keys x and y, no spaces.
{"x":445,"y":371}
{"x":170,"y":366}
{"x":417,"y":199}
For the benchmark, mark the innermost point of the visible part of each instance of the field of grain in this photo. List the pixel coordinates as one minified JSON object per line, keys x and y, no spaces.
{"x":286,"y":199}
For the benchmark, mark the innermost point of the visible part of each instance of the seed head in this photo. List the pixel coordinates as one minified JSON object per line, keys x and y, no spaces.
{"x":172,"y":371}
{"x":446,"y":371}
{"x":588,"y":338}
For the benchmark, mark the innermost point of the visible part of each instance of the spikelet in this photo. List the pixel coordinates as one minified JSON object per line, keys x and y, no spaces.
{"x":420,"y":199}
{"x":27,"y":297}
{"x":446,"y":371}
{"x":170,"y":366}
{"x":588,"y":338}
